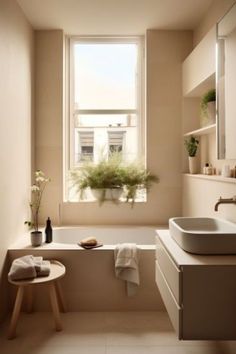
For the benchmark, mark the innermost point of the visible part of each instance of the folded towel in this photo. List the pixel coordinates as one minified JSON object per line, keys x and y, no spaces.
{"x":126,"y":265}
{"x":44,"y":270}
{"x":28,"y":267}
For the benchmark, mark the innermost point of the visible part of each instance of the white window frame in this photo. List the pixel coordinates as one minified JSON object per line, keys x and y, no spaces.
{"x":68,"y":126}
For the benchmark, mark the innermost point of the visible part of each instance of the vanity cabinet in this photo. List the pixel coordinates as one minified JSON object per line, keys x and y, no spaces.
{"x":199,"y":292}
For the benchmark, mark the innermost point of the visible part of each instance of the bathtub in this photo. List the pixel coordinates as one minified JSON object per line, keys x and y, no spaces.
{"x":108,"y":236}
{"x":90,"y":283}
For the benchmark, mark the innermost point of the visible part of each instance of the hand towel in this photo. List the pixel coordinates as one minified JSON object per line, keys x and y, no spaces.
{"x":126,"y":266}
{"x":23,"y":268}
{"x":28,"y":267}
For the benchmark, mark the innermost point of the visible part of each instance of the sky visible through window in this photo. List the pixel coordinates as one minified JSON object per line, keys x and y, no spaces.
{"x":105,"y":76}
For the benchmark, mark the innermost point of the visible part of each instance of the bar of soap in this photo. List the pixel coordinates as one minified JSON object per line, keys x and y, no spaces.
{"x":89,"y":241}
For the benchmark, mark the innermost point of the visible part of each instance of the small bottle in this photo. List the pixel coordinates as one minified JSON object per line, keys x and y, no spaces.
{"x":209,"y":170}
{"x":48,"y":231}
{"x":205,"y":168}
{"x":234,"y":172}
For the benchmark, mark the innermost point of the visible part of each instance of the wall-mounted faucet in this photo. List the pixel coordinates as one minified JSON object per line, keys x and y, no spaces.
{"x":225,"y":201}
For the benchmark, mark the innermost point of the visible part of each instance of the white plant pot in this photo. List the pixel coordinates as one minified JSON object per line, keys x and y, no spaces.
{"x":113,"y":194}
{"x":36,"y":238}
{"x":209,"y":117}
{"x":211,"y":113}
{"x":193,"y":164}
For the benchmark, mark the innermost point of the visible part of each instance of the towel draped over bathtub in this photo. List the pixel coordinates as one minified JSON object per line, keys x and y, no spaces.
{"x":126,"y":266}
{"x":28,"y":267}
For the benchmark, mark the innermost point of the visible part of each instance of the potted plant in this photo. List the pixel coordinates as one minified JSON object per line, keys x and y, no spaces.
{"x":208,"y":108}
{"x":136,"y":178}
{"x":191,"y":145}
{"x":37,"y":190}
{"x":110,"y":178}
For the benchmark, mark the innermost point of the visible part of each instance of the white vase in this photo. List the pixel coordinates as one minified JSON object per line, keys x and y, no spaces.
{"x":193,"y":164}
{"x":36,"y":238}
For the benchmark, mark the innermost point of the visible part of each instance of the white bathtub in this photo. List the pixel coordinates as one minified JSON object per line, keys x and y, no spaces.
{"x":141,"y":235}
{"x":90,"y":283}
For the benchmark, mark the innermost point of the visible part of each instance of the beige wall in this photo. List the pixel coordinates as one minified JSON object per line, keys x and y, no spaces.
{"x":49,"y":116}
{"x":16,"y":63}
{"x":199,"y":195}
{"x":217,"y":9}
{"x":165,"y":52}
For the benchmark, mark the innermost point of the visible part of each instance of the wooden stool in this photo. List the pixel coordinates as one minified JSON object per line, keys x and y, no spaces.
{"x":57,"y":271}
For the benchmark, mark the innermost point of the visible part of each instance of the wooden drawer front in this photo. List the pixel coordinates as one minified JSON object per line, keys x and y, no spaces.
{"x":173,"y":309}
{"x":171,"y":273}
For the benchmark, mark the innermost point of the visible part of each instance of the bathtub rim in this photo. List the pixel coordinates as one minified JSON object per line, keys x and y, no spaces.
{"x":24,"y":240}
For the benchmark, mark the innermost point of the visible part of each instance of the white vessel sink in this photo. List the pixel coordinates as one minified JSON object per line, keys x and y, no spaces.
{"x":204,"y":235}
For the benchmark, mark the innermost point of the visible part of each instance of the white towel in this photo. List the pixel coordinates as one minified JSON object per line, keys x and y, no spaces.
{"x":28,"y":267}
{"x":126,"y":266}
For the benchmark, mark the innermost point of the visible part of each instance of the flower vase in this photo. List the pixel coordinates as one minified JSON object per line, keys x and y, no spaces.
{"x":193,"y":164}
{"x":36,"y":238}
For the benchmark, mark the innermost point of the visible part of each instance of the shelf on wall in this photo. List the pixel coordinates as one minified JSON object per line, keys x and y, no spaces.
{"x":202,"y":131}
{"x":202,"y":87}
{"x":212,"y":178}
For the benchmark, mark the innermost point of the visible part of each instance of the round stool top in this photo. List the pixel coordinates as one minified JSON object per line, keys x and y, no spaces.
{"x":57,"y":270}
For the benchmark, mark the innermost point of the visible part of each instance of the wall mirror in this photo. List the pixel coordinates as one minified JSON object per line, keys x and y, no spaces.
{"x":226,"y":85}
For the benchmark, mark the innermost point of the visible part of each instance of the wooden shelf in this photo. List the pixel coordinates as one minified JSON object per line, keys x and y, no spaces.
{"x":202,"y":131}
{"x":211,"y":178}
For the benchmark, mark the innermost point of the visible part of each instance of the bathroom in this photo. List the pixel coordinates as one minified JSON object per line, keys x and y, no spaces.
{"x":33,"y":109}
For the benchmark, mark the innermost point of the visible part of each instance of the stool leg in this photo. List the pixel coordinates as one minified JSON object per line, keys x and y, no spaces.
{"x":55,"y":308}
{"x":16,"y":312}
{"x":29,"y":299}
{"x":60,"y":297}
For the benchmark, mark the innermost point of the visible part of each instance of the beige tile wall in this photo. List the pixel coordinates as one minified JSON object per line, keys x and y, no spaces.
{"x":165,"y":52}
{"x":16,"y":88}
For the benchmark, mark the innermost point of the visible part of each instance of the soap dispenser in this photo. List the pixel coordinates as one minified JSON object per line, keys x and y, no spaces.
{"x":48,"y":231}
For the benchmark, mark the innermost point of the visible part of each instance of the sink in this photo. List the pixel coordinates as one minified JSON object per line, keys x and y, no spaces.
{"x":204,"y":235}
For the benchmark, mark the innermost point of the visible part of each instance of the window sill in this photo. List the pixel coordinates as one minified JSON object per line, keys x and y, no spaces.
{"x":93,"y":201}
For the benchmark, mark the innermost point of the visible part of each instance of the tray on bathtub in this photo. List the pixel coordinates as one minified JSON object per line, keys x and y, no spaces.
{"x":89,"y":247}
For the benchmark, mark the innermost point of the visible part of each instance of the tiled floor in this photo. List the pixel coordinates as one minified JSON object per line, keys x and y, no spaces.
{"x":100,"y":333}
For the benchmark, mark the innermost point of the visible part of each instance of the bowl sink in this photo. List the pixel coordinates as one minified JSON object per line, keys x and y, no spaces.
{"x":204,"y":235}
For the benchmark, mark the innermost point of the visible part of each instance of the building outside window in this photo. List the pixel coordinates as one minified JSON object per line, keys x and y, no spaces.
{"x":105,"y":101}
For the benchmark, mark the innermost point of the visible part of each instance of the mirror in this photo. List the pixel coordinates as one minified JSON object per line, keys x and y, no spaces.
{"x":226,"y":85}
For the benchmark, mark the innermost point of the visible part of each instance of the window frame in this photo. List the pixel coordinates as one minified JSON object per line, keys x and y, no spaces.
{"x":70,"y":112}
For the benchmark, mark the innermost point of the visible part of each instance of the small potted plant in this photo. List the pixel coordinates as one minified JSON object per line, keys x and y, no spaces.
{"x":191,"y":145}
{"x":104,"y":179}
{"x":37,"y":190}
{"x":208,"y":108}
{"x":111,"y":178}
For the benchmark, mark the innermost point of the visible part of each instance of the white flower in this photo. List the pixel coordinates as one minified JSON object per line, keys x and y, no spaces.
{"x":40,"y":179}
{"x":34,"y":188}
{"x":39,"y":173}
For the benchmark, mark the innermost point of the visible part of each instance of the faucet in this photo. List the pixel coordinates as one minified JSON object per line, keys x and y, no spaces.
{"x":225,"y":201}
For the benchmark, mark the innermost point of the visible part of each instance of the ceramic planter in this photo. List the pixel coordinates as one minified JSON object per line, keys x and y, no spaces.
{"x":36,"y":238}
{"x":211,"y":112}
{"x":209,"y":117}
{"x":103,"y":194}
{"x":193,"y":164}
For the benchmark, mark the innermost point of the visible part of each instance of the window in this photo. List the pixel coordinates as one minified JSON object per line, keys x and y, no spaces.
{"x":105,"y":105}
{"x":116,"y":141}
{"x":85,"y":146}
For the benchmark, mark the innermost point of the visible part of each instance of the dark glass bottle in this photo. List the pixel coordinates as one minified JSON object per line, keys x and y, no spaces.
{"x":48,"y":231}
